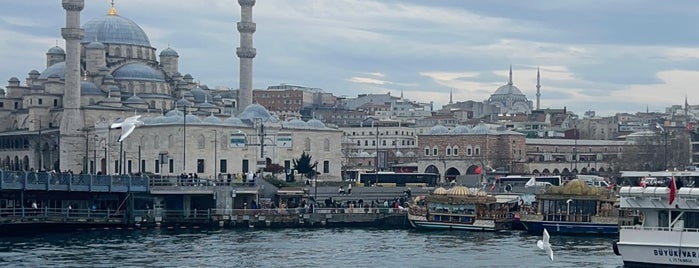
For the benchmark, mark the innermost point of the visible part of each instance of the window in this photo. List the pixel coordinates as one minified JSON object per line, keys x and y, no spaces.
{"x":55,"y":103}
{"x":326,"y":166}
{"x":477,"y":151}
{"x":427,"y":151}
{"x":246,"y":167}
{"x":156,"y":167}
{"x":171,"y":165}
{"x":142,"y":168}
{"x":200,"y":165}
{"x":455,"y":151}
{"x":448,"y":151}
{"x":116,"y":166}
{"x":41,"y":101}
{"x":435,"y":151}
{"x":128,"y":166}
{"x":223,"y":166}
{"x":469,"y":151}
{"x":326,"y":145}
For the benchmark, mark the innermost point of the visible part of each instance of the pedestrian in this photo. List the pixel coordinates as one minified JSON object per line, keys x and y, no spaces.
{"x":349,"y":189}
{"x":341,"y":191}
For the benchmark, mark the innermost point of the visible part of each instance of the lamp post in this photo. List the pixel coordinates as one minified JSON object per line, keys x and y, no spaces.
{"x":215,"y":154}
{"x":376,"y":174}
{"x":315,"y":178}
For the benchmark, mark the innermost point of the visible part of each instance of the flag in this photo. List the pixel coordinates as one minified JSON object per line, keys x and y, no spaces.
{"x":690,"y":127}
{"x":643,"y":182}
{"x":492,"y":188}
{"x":530,"y":183}
{"x":673,"y":190}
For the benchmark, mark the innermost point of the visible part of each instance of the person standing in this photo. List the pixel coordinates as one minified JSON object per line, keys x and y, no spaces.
{"x":349,"y":189}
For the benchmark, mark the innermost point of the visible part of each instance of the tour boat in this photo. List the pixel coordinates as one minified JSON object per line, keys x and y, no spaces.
{"x":574,"y":209}
{"x":666,"y":233}
{"x":461,"y":208}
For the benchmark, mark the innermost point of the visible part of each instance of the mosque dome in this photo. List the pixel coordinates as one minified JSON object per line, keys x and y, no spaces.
{"x":95,"y":45}
{"x":211,"y":119}
{"x":169,"y":52}
{"x":56,"y":51}
{"x":508,"y":89}
{"x":134,"y":100}
{"x":315,"y":123}
{"x":233,"y":121}
{"x":190,"y":118}
{"x":58,"y":69}
{"x":199,"y":95}
{"x":89,"y":88}
{"x":114,"y":29}
{"x":364,"y":154}
{"x":295,"y":123}
{"x":461,"y":130}
{"x":174,"y":113}
{"x":439,"y":129}
{"x":254,"y":111}
{"x":138,"y":71}
{"x":480,"y":129}
{"x":183,"y":102}
{"x":34,"y":72}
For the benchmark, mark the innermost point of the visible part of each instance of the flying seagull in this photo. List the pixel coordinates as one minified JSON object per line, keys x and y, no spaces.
{"x":127,"y":126}
{"x":545,"y":245}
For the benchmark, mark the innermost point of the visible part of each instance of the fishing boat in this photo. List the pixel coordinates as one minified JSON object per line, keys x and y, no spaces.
{"x":666,"y":233}
{"x":461,"y":208}
{"x":575,"y":208}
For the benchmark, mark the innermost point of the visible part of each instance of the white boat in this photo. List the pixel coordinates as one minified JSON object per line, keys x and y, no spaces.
{"x":667,"y":231}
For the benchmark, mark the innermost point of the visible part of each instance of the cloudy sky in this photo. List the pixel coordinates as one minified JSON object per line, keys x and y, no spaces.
{"x":601,"y":55}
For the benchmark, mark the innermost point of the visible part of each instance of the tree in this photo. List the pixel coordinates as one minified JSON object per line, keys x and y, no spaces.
{"x":274,"y":168}
{"x":304,"y":166}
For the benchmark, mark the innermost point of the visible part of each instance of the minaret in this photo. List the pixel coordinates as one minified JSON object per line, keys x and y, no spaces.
{"x":510,"y":81}
{"x":451,"y":96}
{"x":72,"y":139}
{"x":538,"y":89}
{"x":246,"y":53}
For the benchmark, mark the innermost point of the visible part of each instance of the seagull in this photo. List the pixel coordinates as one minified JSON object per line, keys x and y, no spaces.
{"x":127,"y":126}
{"x":545,"y":245}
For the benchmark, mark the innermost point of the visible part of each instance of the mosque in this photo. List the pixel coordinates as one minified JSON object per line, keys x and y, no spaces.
{"x":109,"y":71}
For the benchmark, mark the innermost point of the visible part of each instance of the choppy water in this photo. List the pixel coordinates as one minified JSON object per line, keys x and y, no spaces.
{"x":300,"y":248}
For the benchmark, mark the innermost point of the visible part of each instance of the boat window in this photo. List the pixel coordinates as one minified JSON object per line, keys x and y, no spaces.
{"x":691,"y":220}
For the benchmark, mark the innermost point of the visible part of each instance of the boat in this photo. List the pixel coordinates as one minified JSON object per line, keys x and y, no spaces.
{"x":461,"y":208}
{"x":573,"y":209}
{"x":666,"y":232}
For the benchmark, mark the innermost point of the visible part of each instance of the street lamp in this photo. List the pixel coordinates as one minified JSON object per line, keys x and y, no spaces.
{"x":315,"y":185}
{"x":376,"y":174}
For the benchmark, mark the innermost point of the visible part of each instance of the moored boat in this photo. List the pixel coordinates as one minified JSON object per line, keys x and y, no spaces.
{"x":667,"y":231}
{"x":461,"y":208}
{"x":574,"y":208}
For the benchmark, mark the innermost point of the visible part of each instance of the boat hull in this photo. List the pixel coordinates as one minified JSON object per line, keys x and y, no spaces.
{"x":668,"y":248}
{"x":570,"y":228}
{"x":421,"y":222}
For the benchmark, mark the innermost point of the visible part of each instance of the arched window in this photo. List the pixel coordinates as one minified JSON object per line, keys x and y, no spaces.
{"x":201,"y":142}
{"x":435,"y":151}
{"x":448,"y":151}
{"x":477,"y":150}
{"x":427,"y":151}
{"x":469,"y":150}
{"x":455,"y":151}
{"x":326,"y":145}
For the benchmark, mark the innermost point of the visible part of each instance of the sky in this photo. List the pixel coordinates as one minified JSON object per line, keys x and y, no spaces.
{"x":599,"y":55}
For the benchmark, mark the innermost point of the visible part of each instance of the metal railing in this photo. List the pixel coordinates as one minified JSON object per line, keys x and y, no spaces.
{"x":22,"y":180}
{"x":9,"y":213}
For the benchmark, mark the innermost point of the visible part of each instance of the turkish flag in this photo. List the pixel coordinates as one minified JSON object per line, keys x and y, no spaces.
{"x":673,"y":190}
{"x":478,"y":170}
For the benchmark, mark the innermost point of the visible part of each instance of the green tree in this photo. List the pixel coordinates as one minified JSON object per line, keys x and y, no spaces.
{"x":305,"y":165}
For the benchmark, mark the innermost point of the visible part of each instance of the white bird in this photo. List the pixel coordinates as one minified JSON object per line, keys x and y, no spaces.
{"x":127,"y":126}
{"x":545,"y":245}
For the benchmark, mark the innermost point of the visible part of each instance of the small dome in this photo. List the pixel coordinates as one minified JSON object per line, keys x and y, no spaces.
{"x":33,"y":72}
{"x":58,"y":69}
{"x":399,"y":154}
{"x":138,"y":71}
{"x":190,"y":118}
{"x":108,"y":77}
{"x":13,"y":79}
{"x":254,"y":111}
{"x":182,"y":103}
{"x":459,"y":191}
{"x":410,"y":154}
{"x":480,"y":129}
{"x":439,"y":129}
{"x":174,"y":113}
{"x":169,"y":52}
{"x":207,"y":105}
{"x":212,"y":119}
{"x":440,"y":191}
{"x":114,"y":89}
{"x":295,"y":123}
{"x":95,"y":45}
{"x":315,"y":123}
{"x":56,"y":51}
{"x":89,"y":88}
{"x":199,"y":95}
{"x":364,"y":154}
{"x":233,"y":121}
{"x":461,"y":130}
{"x":134,"y":100}
{"x":177,"y":74}
{"x":188,"y":76}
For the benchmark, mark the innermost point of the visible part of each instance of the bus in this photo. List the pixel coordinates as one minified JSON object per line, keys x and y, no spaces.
{"x":398,"y":179}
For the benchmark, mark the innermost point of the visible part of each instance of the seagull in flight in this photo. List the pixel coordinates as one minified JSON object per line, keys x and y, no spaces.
{"x":127,"y":126}
{"x":545,"y":245}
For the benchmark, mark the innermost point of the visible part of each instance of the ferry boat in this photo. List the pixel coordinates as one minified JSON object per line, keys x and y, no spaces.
{"x":667,"y":231}
{"x":461,"y":208}
{"x":574,"y":209}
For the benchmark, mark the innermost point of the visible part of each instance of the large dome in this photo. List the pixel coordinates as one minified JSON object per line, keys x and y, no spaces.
{"x":114,"y":29}
{"x":508,"y":89}
{"x":58,"y":69}
{"x":138,"y":71}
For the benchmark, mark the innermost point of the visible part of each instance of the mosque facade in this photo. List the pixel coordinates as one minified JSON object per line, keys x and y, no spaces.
{"x":51,"y":115}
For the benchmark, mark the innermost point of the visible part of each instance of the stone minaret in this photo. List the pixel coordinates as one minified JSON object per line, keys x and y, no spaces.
{"x":72,"y":140}
{"x":246,"y":53}
{"x":538,"y":89}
